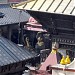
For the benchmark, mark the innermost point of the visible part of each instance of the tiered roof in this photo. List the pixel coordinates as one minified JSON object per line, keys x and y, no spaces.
{"x":11,"y":53}
{"x":12,"y":16}
{"x":50,"y":6}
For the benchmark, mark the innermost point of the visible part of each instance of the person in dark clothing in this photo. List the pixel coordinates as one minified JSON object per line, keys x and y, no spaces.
{"x":47,"y":41}
{"x":40,"y":45}
{"x":39,"y":34}
{"x":27,"y":44}
{"x":55,"y":48}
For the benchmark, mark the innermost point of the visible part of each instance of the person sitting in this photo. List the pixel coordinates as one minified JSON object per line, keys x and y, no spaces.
{"x":55,"y":50}
{"x":39,"y":34}
{"x":40,"y":45}
{"x":27,"y":44}
{"x":55,"y":47}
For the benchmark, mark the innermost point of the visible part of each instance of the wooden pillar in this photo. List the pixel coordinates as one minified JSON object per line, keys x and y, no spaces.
{"x":21,"y":34}
{"x":0,"y":32}
{"x":9,"y":32}
{"x":74,"y":27}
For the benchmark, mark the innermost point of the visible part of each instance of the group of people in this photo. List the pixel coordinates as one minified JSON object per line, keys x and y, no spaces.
{"x":39,"y":44}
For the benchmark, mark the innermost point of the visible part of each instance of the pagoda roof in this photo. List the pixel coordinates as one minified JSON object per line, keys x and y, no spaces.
{"x":51,"y":6}
{"x":56,"y":16}
{"x":12,"y":16}
{"x":11,"y":53}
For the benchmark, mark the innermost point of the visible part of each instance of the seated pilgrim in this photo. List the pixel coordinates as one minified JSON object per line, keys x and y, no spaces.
{"x":39,"y":34}
{"x":55,"y":50}
{"x":27,"y":43}
{"x":39,"y":45}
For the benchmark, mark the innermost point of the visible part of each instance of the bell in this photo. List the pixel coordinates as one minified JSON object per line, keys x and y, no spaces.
{"x":67,"y":60}
{"x":62,"y":60}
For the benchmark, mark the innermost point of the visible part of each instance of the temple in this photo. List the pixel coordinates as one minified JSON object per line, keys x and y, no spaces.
{"x":57,"y":16}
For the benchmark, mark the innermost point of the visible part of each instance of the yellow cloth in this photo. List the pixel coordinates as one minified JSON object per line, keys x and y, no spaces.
{"x":40,"y":43}
{"x":53,"y":51}
{"x":67,"y":60}
{"x":62,"y":61}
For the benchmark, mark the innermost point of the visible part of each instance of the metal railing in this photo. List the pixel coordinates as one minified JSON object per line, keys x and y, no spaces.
{"x":44,"y":54}
{"x":71,"y":54}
